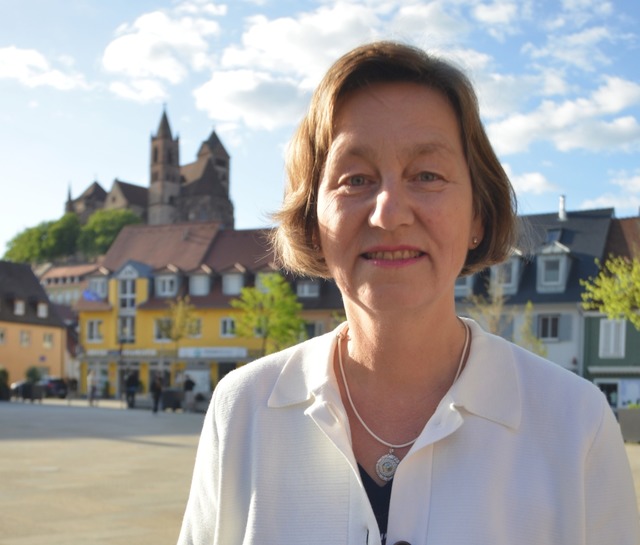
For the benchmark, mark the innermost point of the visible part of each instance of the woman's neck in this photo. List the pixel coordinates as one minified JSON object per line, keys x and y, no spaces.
{"x":404,"y":351}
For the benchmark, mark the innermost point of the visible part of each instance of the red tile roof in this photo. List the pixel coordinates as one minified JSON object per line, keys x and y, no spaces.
{"x":184,"y":245}
{"x":248,"y":248}
{"x":624,"y":238}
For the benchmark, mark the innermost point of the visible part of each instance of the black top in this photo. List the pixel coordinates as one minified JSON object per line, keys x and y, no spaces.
{"x":380,"y":498}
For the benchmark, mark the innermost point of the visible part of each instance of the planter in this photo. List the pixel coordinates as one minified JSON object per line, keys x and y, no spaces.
{"x":629,"y":420}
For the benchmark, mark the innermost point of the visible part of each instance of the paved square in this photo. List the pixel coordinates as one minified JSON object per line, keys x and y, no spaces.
{"x":77,"y":475}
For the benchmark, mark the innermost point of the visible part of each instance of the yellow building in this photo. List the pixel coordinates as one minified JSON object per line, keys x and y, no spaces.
{"x":31,"y":333}
{"x":125,"y":314}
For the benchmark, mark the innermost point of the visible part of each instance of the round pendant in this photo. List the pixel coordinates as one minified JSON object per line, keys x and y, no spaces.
{"x":386,"y":466}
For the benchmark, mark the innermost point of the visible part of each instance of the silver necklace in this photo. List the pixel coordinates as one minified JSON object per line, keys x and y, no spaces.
{"x":388,"y":463}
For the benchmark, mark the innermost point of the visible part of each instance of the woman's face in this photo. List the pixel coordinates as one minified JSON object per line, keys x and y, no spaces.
{"x":395,"y":217}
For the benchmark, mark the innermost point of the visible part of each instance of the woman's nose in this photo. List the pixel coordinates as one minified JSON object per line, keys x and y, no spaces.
{"x":392,"y":208}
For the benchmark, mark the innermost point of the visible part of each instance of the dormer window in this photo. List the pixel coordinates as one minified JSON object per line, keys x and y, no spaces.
{"x":199,"y":284}
{"x":43,"y":310}
{"x":464,"y":286}
{"x":308,"y":288}
{"x":19,"y":307}
{"x":260,"y":281}
{"x":166,"y":285}
{"x":232,"y":283}
{"x":553,"y":264}
{"x":507,"y":275}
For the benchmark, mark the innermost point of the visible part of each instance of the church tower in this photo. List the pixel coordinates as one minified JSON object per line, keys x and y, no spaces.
{"x":165,"y":175}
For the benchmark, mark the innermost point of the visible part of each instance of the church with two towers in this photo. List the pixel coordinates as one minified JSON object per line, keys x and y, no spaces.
{"x":197,"y":191}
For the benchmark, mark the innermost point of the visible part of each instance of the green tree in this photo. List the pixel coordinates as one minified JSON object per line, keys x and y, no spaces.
{"x":615,"y":291}
{"x":528,"y":337}
{"x":28,"y":246}
{"x":62,"y":237}
{"x":489,"y":310}
{"x":179,"y":321}
{"x":102,"y":228}
{"x":271,"y":312}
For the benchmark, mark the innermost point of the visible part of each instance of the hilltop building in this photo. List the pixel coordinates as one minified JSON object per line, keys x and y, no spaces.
{"x":197,"y":191}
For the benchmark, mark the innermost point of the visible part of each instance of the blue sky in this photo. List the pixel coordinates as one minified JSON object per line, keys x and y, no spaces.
{"x":83,"y":83}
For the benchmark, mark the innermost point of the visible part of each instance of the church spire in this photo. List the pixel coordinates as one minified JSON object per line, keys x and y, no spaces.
{"x":164,"y":130}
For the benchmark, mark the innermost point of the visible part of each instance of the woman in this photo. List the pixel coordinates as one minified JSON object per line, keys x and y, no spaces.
{"x":407,"y":424}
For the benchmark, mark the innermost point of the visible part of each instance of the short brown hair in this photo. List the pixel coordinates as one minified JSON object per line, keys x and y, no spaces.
{"x":295,"y":238}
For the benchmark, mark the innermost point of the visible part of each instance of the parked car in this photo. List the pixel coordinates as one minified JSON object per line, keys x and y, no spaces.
{"x":25,"y":390}
{"x":16,"y":388}
{"x":54,"y":387}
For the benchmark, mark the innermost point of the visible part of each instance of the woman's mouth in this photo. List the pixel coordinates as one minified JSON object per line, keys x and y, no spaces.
{"x":392,"y":255}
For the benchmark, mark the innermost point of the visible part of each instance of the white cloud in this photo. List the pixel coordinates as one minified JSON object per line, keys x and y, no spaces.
{"x":581,"y":49}
{"x":162,"y":46}
{"x":629,"y":182}
{"x":624,"y":204}
{"x":581,"y":123}
{"x":256,"y":99}
{"x":533,"y":183}
{"x":31,"y":68}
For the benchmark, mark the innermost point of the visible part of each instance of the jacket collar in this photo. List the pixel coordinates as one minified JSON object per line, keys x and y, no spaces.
{"x":307,"y":373}
{"x":488,"y":387}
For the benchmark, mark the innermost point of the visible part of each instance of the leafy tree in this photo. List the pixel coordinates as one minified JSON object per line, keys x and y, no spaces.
{"x":62,"y":237}
{"x":28,"y":246}
{"x":179,"y":321}
{"x":528,"y":338}
{"x":102,"y":228}
{"x":272,"y":312}
{"x":33,"y":374}
{"x":489,"y":310}
{"x":615,"y":291}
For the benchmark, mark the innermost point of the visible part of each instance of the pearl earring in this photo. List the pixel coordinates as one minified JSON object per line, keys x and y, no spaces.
{"x":474,"y":241}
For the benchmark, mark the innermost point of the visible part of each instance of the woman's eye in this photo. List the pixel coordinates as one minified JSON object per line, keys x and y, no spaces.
{"x":355,"y":181}
{"x":428,"y":177}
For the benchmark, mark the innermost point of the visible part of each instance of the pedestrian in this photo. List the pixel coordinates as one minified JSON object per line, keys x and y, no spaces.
{"x":408,"y":423}
{"x":156,"y":392}
{"x":189,"y":394}
{"x":131,"y":385}
{"x":92,"y":387}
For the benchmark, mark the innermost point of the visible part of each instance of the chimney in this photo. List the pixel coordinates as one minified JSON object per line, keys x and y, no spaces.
{"x":562,"y":211}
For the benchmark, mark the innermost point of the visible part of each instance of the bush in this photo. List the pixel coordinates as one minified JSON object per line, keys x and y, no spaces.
{"x":33,"y":375}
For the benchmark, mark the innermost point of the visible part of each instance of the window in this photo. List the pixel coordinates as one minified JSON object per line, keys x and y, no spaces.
{"x":162,"y":330}
{"x":94,"y":331}
{"x":553,"y":235}
{"x":313,"y":329}
{"x":18,"y":307}
{"x":551,"y":271}
{"x":260,"y":281}
{"x":127,"y":295}
{"x":308,"y":288}
{"x":43,"y":310}
{"x":47,"y":340}
{"x":464,"y":286}
{"x":126,"y":329}
{"x":612,"y":339}
{"x":227,"y":327}
{"x":98,"y":286}
{"x":507,"y":275}
{"x":166,"y":286}
{"x":195,"y":328}
{"x":232,"y":283}
{"x":25,"y":338}
{"x":548,"y":327}
{"x":199,"y":284}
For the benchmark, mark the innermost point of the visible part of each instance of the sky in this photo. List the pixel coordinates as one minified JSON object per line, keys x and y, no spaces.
{"x":83,"y":84}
